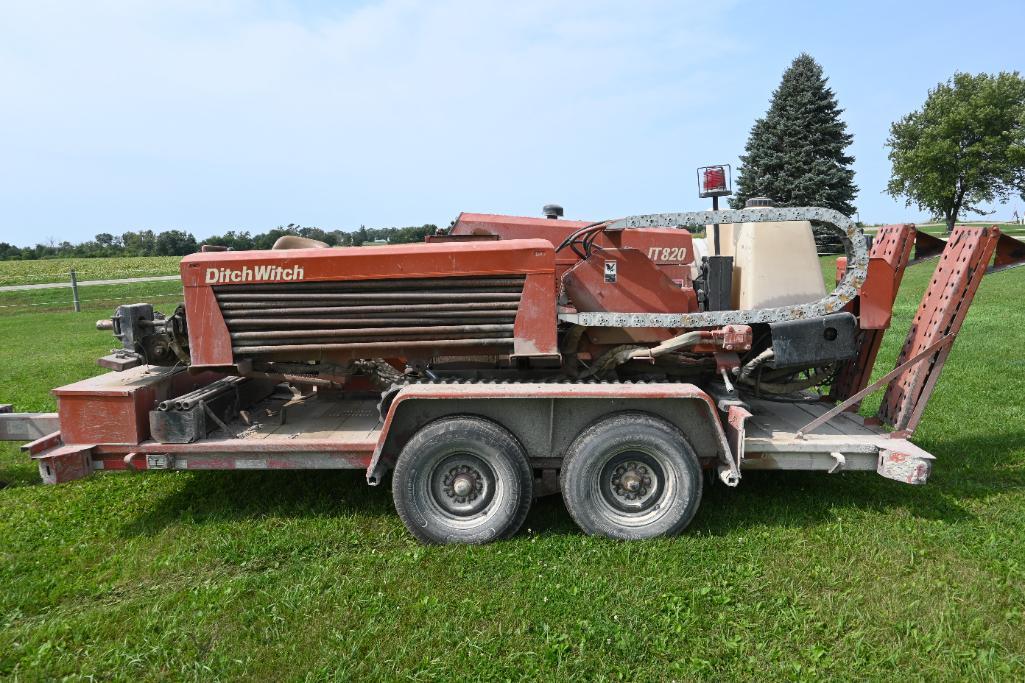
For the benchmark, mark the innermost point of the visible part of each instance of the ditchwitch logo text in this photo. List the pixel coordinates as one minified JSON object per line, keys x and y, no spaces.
{"x":221,"y":276}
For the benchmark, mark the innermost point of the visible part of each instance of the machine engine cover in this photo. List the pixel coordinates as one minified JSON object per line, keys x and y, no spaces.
{"x":391,"y":301}
{"x":814,"y":341}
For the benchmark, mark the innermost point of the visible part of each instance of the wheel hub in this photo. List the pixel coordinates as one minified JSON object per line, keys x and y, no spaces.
{"x":462,"y":485}
{"x":632,"y":482}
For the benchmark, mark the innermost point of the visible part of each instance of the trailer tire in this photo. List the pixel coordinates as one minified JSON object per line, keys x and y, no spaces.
{"x":631,"y":476}
{"x":462,"y":480}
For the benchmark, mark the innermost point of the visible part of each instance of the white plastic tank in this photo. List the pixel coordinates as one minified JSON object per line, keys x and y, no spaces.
{"x":774,"y":263}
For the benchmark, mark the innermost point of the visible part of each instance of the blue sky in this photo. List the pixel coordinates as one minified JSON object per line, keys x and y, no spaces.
{"x":216,"y":115}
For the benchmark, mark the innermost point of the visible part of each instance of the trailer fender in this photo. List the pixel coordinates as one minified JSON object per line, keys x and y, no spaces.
{"x":547,"y":417}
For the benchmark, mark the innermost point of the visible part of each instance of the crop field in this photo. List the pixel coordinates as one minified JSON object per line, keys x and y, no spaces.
{"x":311,"y":575}
{"x":59,"y":269}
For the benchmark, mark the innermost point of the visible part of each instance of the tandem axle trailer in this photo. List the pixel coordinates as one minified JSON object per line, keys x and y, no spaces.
{"x":468,"y":455}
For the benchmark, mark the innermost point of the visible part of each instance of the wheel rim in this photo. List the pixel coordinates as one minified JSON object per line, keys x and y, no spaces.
{"x":635,"y":487}
{"x":461,"y":486}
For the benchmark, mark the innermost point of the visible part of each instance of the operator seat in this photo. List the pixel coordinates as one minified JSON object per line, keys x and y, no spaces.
{"x":296,"y":242}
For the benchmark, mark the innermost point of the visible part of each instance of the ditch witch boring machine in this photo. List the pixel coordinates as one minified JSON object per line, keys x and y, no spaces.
{"x":626,"y":363}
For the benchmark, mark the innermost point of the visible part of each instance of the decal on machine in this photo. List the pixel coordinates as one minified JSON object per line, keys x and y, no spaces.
{"x":610,"y":271}
{"x":223,"y":276}
{"x":667,"y":253}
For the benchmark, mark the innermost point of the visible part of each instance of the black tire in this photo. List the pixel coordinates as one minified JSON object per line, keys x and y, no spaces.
{"x":631,"y":476}
{"x":457,"y":455}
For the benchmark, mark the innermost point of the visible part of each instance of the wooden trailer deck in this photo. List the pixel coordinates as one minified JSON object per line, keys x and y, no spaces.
{"x":344,"y":421}
{"x":844,"y":443}
{"x":280,"y":434}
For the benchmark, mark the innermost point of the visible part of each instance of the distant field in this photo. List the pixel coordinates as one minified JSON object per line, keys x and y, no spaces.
{"x":99,"y":297}
{"x":58,"y":270}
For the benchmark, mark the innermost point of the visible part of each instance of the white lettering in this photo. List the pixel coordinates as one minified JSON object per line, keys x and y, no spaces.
{"x":262,"y":273}
{"x":667,"y":254}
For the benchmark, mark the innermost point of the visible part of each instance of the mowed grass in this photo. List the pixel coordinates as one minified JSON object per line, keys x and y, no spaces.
{"x":59,"y":269}
{"x":310,"y":575}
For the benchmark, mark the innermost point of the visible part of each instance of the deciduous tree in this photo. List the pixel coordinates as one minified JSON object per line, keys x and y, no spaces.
{"x":965,"y":147}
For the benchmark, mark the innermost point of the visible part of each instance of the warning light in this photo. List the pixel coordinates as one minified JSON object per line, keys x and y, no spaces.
{"x":714,"y":181}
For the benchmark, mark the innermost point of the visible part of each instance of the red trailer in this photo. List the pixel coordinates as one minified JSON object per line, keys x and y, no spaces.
{"x":518,"y":357}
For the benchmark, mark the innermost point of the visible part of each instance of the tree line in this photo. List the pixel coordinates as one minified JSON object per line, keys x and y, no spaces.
{"x":180,"y":243}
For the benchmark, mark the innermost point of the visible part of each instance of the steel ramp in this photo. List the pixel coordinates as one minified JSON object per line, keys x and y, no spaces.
{"x":940,"y":315}
{"x":964,"y":259}
{"x":888,"y":259}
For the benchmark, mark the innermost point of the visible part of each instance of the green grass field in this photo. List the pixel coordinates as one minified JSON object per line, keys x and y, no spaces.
{"x":102,"y":298}
{"x":311,"y":576}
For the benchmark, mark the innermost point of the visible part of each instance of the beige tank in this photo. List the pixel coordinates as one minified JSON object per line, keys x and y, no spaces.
{"x":774,"y":264}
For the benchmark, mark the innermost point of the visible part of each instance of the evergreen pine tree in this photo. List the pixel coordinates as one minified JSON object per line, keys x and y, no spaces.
{"x":795,"y":154}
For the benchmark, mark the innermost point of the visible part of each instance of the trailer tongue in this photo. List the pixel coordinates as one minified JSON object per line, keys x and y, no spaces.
{"x":516,"y":357}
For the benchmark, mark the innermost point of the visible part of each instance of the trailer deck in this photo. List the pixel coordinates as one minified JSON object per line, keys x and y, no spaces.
{"x":335,"y":432}
{"x":846,"y":443}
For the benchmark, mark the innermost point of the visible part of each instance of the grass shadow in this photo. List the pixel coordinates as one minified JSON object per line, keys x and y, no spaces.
{"x":219,"y":496}
{"x":549,"y":517}
{"x":782,"y":499}
{"x":808,"y":499}
{"x":16,"y":468}
{"x":232,"y":495}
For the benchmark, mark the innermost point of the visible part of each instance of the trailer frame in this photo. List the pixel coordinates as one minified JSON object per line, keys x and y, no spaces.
{"x":333,"y":432}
